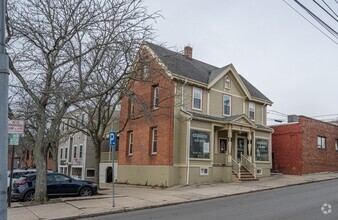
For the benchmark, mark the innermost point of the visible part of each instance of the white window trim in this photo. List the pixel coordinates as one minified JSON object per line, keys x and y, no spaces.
{"x":321,"y":145}
{"x":254,"y":111}
{"x":156,"y":88}
{"x":152,"y":140}
{"x":203,"y":173}
{"x":193,"y":98}
{"x":336,"y":144}
{"x":259,"y":171}
{"x":223,"y":105}
{"x":87,"y":173}
{"x":227,"y":78}
{"x":131,"y":137}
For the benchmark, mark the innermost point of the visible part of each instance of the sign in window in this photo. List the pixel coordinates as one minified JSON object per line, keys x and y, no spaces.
{"x":199,"y":144}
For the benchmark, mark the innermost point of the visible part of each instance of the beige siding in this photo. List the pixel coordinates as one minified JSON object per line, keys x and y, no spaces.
{"x":151,"y":175}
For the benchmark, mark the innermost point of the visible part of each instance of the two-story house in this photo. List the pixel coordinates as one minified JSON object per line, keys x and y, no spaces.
{"x":205,"y":124}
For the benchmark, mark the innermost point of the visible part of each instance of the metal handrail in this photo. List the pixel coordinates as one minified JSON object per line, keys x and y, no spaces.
{"x":247,"y":164}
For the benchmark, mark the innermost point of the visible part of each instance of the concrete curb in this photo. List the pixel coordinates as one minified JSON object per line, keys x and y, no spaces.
{"x":121,"y":210}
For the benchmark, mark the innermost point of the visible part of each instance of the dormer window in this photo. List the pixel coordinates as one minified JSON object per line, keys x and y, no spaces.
{"x":197,"y":98}
{"x":227,"y":82}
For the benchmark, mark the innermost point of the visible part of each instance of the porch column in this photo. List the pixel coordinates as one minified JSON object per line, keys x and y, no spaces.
{"x":229,"y":144}
{"x":249,"y":146}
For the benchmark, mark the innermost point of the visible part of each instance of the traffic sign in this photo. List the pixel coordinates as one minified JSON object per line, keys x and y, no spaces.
{"x":16,"y":126}
{"x":14,"y":139}
{"x":112,"y":139}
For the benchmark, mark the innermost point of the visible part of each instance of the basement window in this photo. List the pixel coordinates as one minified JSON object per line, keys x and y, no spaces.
{"x":259,"y":171}
{"x":204,"y":171}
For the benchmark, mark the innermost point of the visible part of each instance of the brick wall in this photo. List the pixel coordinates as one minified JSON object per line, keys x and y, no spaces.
{"x":286,"y":148}
{"x":296,"y":150}
{"x":144,"y":120}
{"x":314,"y":159}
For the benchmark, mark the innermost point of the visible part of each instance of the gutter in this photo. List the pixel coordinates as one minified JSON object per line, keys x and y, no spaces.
{"x":189,"y":118}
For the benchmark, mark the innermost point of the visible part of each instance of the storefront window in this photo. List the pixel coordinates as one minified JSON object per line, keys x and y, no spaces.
{"x":262,"y":150}
{"x":199,"y":144}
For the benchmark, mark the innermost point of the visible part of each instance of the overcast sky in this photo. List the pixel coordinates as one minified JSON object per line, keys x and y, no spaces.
{"x":278,"y":51}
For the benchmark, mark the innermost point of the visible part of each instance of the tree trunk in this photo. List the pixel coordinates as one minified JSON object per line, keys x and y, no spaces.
{"x":97,"y":162}
{"x":40,"y":162}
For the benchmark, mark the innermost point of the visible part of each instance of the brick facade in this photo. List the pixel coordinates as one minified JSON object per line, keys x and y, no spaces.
{"x":295,"y":148}
{"x":145,"y":118}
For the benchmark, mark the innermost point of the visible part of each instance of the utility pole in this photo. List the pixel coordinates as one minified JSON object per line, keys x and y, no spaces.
{"x":4,"y":72}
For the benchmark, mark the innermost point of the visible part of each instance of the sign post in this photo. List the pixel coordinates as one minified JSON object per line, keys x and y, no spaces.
{"x":15,"y":129}
{"x":112,"y":144}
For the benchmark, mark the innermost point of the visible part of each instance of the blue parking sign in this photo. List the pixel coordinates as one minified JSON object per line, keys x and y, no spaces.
{"x":112,"y":139}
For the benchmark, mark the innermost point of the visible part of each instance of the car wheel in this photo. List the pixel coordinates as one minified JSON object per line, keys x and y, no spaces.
{"x":29,"y":196}
{"x":86,"y":191}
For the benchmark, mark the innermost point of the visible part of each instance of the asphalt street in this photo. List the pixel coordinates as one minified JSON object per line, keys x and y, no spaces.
{"x":311,"y":201}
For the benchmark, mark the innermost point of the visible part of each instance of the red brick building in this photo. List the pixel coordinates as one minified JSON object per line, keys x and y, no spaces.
{"x":305,"y":146}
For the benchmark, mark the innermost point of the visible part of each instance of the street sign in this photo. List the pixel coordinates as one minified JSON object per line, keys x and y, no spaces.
{"x":16,"y":126}
{"x":112,"y":139}
{"x":14,"y":139}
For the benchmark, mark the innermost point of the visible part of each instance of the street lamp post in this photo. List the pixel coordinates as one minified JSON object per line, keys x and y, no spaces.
{"x":4,"y":72}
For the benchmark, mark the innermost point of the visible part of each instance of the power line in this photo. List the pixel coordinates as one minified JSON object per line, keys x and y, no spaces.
{"x":320,"y":21}
{"x":330,"y":8}
{"x":311,"y":22}
{"x":325,"y":10}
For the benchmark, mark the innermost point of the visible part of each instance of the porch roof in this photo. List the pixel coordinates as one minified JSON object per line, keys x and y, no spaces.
{"x":226,"y":119}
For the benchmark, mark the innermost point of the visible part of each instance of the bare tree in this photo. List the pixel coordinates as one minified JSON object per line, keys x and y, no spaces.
{"x":58,"y":50}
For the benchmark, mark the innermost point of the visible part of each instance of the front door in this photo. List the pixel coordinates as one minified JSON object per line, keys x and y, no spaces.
{"x":240,"y":147}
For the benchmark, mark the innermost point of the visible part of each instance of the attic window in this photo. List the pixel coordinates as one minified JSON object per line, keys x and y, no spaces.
{"x":145,"y":72}
{"x":227,"y":82}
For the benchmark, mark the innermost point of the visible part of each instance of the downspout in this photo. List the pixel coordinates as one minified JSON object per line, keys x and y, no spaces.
{"x":189,"y":118}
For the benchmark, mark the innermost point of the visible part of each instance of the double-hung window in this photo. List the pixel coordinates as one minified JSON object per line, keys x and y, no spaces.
{"x":131,"y":105}
{"x":74,"y":151}
{"x":156,"y":97}
{"x":252,"y":110}
{"x":321,"y":141}
{"x":80,"y":151}
{"x":226,"y":105}
{"x":197,"y":98}
{"x":61,"y":154}
{"x":154,"y":140}
{"x":130,"y":142}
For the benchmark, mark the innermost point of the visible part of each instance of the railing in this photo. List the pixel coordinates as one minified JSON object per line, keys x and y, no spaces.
{"x":247,"y":164}
{"x":77,"y":161}
{"x":63,"y":162}
{"x":236,"y":167}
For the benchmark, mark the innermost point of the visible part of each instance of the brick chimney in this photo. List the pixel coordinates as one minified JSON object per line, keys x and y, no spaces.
{"x":188,"y":52}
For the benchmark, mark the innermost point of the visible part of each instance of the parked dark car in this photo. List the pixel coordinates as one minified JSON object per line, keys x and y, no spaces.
{"x":57,"y":185}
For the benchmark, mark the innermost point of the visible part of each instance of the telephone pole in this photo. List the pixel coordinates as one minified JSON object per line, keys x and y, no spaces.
{"x":4,"y":72}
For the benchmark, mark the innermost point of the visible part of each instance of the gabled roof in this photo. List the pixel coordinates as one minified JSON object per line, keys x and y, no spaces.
{"x":196,"y":70}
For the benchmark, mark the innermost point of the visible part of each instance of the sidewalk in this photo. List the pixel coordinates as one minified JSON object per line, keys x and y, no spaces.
{"x":129,"y":198}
